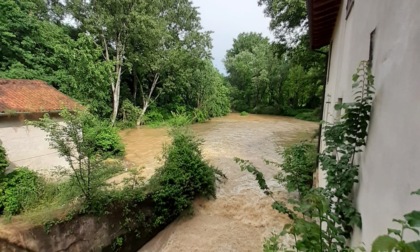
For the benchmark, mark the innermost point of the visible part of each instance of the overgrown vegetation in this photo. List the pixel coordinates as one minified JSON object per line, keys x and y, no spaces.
{"x":298,"y":167}
{"x":322,"y":219}
{"x":4,"y":163}
{"x":284,"y":77}
{"x":118,"y":58}
{"x":20,"y":190}
{"x":85,"y":142}
{"x":183,"y":177}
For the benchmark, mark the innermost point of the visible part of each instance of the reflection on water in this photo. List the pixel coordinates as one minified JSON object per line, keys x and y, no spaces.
{"x":241,"y":216}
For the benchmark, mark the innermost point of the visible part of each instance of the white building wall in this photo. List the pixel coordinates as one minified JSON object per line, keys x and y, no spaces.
{"x":27,"y":146}
{"x":390,"y":165}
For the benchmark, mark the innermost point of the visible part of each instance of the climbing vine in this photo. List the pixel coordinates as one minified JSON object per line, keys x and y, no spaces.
{"x":344,"y":140}
{"x":323,"y":219}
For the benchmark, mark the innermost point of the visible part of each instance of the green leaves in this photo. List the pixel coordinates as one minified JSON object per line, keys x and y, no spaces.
{"x":248,"y":166}
{"x":4,"y":163}
{"x":299,"y":164}
{"x":384,"y":243}
{"x":413,"y":219}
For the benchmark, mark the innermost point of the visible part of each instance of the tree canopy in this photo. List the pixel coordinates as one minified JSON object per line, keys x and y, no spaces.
{"x":149,"y":53}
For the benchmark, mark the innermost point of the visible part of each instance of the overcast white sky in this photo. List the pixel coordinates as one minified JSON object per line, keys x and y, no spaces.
{"x":228,"y":18}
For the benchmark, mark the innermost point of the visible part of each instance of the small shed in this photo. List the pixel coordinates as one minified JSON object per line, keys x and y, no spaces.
{"x":25,"y":145}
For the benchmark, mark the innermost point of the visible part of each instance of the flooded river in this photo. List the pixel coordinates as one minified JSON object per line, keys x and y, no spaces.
{"x":241,"y":216}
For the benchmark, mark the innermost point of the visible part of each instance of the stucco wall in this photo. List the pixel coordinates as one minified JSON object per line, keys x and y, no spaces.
{"x":390,"y":165}
{"x":27,"y":146}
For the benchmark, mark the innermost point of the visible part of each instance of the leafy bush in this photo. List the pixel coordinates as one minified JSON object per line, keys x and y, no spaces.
{"x":3,"y":161}
{"x":299,"y":165}
{"x":102,"y":136}
{"x":200,"y":115}
{"x":312,"y":116}
{"x":244,"y":113}
{"x":129,"y":114}
{"x":266,"y":110}
{"x":179,"y":119}
{"x":85,"y":142}
{"x":183,"y":176}
{"x":19,"y":190}
{"x":154,"y":115}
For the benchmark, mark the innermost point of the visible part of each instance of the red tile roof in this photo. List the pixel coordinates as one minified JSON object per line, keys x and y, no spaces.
{"x":32,"y":96}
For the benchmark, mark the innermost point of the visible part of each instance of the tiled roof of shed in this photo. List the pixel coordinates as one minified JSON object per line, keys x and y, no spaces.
{"x":32,"y":96}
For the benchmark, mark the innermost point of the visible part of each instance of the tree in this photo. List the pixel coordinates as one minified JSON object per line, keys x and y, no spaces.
{"x":288,"y":19}
{"x":112,"y":23}
{"x":29,"y":42}
{"x":84,"y":142}
{"x":249,"y":64}
{"x":87,"y":75}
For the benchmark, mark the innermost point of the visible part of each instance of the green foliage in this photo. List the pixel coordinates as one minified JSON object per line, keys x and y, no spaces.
{"x":86,"y":75}
{"x":394,"y":240}
{"x":29,"y":42}
{"x":106,"y":139}
{"x":19,"y":190}
{"x":244,"y":113}
{"x":183,"y":176}
{"x":180,"y":119}
{"x":347,"y":137}
{"x":85,"y":142}
{"x":4,"y":163}
{"x":129,"y":114}
{"x":266,"y":81}
{"x":323,"y":218}
{"x":312,"y":116}
{"x":150,"y":52}
{"x":248,"y":166}
{"x":298,"y":167}
{"x":288,"y":18}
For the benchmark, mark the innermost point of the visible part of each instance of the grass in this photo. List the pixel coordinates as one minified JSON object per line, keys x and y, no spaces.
{"x":60,"y":200}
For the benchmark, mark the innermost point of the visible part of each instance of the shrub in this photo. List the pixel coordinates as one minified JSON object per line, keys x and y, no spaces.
{"x":183,"y":176}
{"x":299,"y":164}
{"x":19,"y":190}
{"x":3,"y":161}
{"x":103,"y":137}
{"x":154,"y":115}
{"x":129,"y":114}
{"x":179,"y":119}
{"x":200,"y":115}
{"x":244,"y":113}
{"x":312,"y":116}
{"x":85,"y":143}
{"x":266,"y":110}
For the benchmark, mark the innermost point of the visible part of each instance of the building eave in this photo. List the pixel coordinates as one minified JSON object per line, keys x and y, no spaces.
{"x":322,"y":16}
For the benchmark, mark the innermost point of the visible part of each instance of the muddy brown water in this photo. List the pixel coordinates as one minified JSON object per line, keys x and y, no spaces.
{"x":241,"y":217}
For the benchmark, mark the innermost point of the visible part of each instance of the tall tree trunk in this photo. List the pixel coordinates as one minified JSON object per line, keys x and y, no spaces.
{"x":148,"y":100}
{"x":135,"y":86}
{"x":116,"y":87}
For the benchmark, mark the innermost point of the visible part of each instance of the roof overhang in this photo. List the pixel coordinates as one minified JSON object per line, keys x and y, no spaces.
{"x":322,"y":15}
